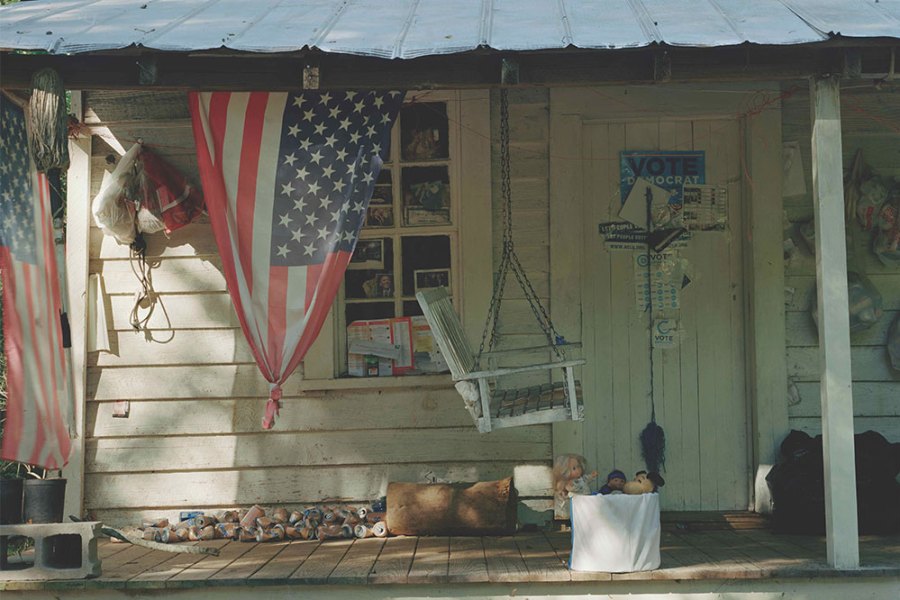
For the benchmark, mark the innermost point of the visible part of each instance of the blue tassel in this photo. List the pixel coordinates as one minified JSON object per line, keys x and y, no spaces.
{"x":653,"y":447}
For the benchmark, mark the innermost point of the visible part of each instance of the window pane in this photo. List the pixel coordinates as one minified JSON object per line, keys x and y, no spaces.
{"x":423,"y":131}
{"x":411,"y":308}
{"x":367,"y":311}
{"x":426,"y":262}
{"x":426,"y":196}
{"x":381,"y":207}
{"x":370,"y":272}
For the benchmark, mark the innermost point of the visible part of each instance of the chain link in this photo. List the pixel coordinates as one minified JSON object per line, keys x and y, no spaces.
{"x":509,"y":259}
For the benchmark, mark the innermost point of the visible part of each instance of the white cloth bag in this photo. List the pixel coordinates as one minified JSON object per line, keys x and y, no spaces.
{"x":617,"y":533}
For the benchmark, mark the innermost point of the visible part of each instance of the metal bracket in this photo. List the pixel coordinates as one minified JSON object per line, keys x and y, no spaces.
{"x":311,"y":75}
{"x":662,"y":67}
{"x":148,"y":71}
{"x":509,"y":71}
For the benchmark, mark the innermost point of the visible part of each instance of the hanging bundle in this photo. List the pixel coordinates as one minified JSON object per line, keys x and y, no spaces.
{"x":652,"y":438}
{"x":48,"y":131}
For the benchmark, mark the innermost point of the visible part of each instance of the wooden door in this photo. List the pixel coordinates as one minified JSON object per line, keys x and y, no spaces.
{"x":698,"y":386}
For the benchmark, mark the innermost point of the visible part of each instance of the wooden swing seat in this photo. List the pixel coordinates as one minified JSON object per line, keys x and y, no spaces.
{"x":494,"y":407}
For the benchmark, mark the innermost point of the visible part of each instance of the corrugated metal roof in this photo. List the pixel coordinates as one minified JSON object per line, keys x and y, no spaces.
{"x":412,"y":28}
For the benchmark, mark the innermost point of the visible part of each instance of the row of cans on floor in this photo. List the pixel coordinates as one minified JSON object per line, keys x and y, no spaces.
{"x":315,"y":523}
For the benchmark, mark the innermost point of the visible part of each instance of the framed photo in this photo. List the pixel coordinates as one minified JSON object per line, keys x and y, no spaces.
{"x":379,"y":286}
{"x":432,"y":278}
{"x":381,"y":215}
{"x":369,"y":254}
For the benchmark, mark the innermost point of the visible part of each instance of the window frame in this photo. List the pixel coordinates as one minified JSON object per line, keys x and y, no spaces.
{"x":470,"y":234}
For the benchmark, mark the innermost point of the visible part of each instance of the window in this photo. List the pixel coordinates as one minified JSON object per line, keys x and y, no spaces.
{"x":444,"y":237}
{"x":410,"y":239}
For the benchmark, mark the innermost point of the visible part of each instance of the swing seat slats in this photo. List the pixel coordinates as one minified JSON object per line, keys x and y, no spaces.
{"x":498,"y":407}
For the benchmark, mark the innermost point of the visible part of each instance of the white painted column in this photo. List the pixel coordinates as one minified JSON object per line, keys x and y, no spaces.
{"x":841,"y":525}
{"x":78,"y":200}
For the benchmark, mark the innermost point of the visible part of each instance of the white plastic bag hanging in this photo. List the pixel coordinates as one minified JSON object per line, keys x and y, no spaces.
{"x":113,"y":214}
{"x":864,"y":302}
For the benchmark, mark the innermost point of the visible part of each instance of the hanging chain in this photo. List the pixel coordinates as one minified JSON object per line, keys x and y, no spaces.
{"x":509,"y":259}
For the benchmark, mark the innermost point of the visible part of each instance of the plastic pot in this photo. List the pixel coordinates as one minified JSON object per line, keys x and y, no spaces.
{"x":10,"y":501}
{"x":43,"y":500}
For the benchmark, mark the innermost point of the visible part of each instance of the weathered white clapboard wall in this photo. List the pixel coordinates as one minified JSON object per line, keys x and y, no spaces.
{"x":871,"y":121}
{"x":193,"y":437}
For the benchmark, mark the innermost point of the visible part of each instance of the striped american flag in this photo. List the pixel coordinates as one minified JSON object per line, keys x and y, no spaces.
{"x":287,"y":180}
{"x":38,"y":404}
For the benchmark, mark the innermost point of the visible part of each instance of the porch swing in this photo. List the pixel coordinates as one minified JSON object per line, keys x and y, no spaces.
{"x":492,"y":406}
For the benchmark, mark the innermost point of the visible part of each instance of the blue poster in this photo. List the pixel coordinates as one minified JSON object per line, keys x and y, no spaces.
{"x":669,"y":170}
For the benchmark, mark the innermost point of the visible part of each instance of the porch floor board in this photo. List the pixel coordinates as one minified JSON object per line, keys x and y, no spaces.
{"x":527,"y":557}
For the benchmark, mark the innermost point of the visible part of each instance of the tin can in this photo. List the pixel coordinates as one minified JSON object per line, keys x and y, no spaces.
{"x":313,"y":513}
{"x":229,"y":516}
{"x":252,"y":515}
{"x":295,"y":517}
{"x":181,"y":534}
{"x":202,"y":521}
{"x":292,"y":533}
{"x":330,"y":532}
{"x":362,"y":511}
{"x":193,"y":533}
{"x":186,"y":515}
{"x":164,"y":536}
{"x":207,"y":533}
{"x":281,"y":515}
{"x":155,"y":523}
{"x":380,"y":529}
{"x":149,"y":534}
{"x":247,"y":535}
{"x":264,"y":522}
{"x":228,"y":530}
{"x":361,"y":531}
{"x":266,"y":536}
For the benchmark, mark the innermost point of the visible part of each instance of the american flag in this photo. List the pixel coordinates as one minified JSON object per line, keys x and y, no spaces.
{"x":287,"y":180}
{"x":38,"y":403}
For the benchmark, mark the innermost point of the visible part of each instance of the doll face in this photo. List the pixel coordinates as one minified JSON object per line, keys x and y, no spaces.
{"x":616,"y":483}
{"x":575,"y":469}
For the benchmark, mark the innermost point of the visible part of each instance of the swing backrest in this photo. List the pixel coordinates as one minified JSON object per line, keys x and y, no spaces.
{"x":447,"y":330}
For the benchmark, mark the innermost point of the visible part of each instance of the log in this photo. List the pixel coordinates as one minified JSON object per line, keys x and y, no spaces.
{"x":483,"y":508}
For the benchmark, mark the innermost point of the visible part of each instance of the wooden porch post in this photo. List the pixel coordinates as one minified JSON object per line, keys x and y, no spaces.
{"x":841,"y":528}
{"x":78,"y":211}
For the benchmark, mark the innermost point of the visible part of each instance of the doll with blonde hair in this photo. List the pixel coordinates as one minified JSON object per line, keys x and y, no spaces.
{"x":569,"y":478}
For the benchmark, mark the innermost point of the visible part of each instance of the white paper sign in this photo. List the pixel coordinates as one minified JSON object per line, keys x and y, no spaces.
{"x":665,"y":333}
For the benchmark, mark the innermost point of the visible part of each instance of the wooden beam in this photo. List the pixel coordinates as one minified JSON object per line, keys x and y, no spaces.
{"x":765,"y":325}
{"x":213,"y":70}
{"x":841,"y":528}
{"x":78,"y":215}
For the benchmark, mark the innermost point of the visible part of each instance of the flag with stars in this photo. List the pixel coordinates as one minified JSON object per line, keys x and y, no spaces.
{"x":38,"y":403}
{"x":287,"y":180}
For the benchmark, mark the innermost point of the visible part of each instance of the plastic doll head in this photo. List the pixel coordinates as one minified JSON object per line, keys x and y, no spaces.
{"x":567,"y":467}
{"x":616,"y":480}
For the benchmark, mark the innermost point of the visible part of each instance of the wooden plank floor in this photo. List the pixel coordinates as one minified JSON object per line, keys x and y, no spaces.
{"x":532,"y":557}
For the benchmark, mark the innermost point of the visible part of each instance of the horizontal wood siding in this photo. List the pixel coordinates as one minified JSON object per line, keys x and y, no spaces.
{"x":869,"y":121}
{"x":193,"y":437}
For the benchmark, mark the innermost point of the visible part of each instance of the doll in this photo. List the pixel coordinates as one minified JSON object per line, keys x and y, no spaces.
{"x":644,"y":483}
{"x":615,"y":481}
{"x":569,"y":479}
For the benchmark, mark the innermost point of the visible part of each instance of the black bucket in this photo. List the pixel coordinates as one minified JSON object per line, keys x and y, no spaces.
{"x":43,"y":500}
{"x":10,"y":501}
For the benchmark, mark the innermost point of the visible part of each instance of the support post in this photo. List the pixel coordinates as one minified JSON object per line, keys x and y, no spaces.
{"x":78,"y":211}
{"x":841,"y":527}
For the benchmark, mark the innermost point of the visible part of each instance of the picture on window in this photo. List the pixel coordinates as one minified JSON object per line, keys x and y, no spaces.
{"x":379,"y":286}
{"x":432,"y":278}
{"x":369,"y":254}
{"x":380,"y":216}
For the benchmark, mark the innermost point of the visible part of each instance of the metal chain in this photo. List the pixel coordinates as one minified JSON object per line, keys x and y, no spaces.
{"x":509,"y":259}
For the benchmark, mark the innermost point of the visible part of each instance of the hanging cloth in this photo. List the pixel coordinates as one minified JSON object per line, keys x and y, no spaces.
{"x":287,"y":179}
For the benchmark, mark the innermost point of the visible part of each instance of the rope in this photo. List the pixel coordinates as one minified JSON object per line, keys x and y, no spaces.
{"x":48,"y":120}
{"x":509,"y":260}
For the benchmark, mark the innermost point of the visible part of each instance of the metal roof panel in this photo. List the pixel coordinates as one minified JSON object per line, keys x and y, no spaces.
{"x":411,"y":28}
